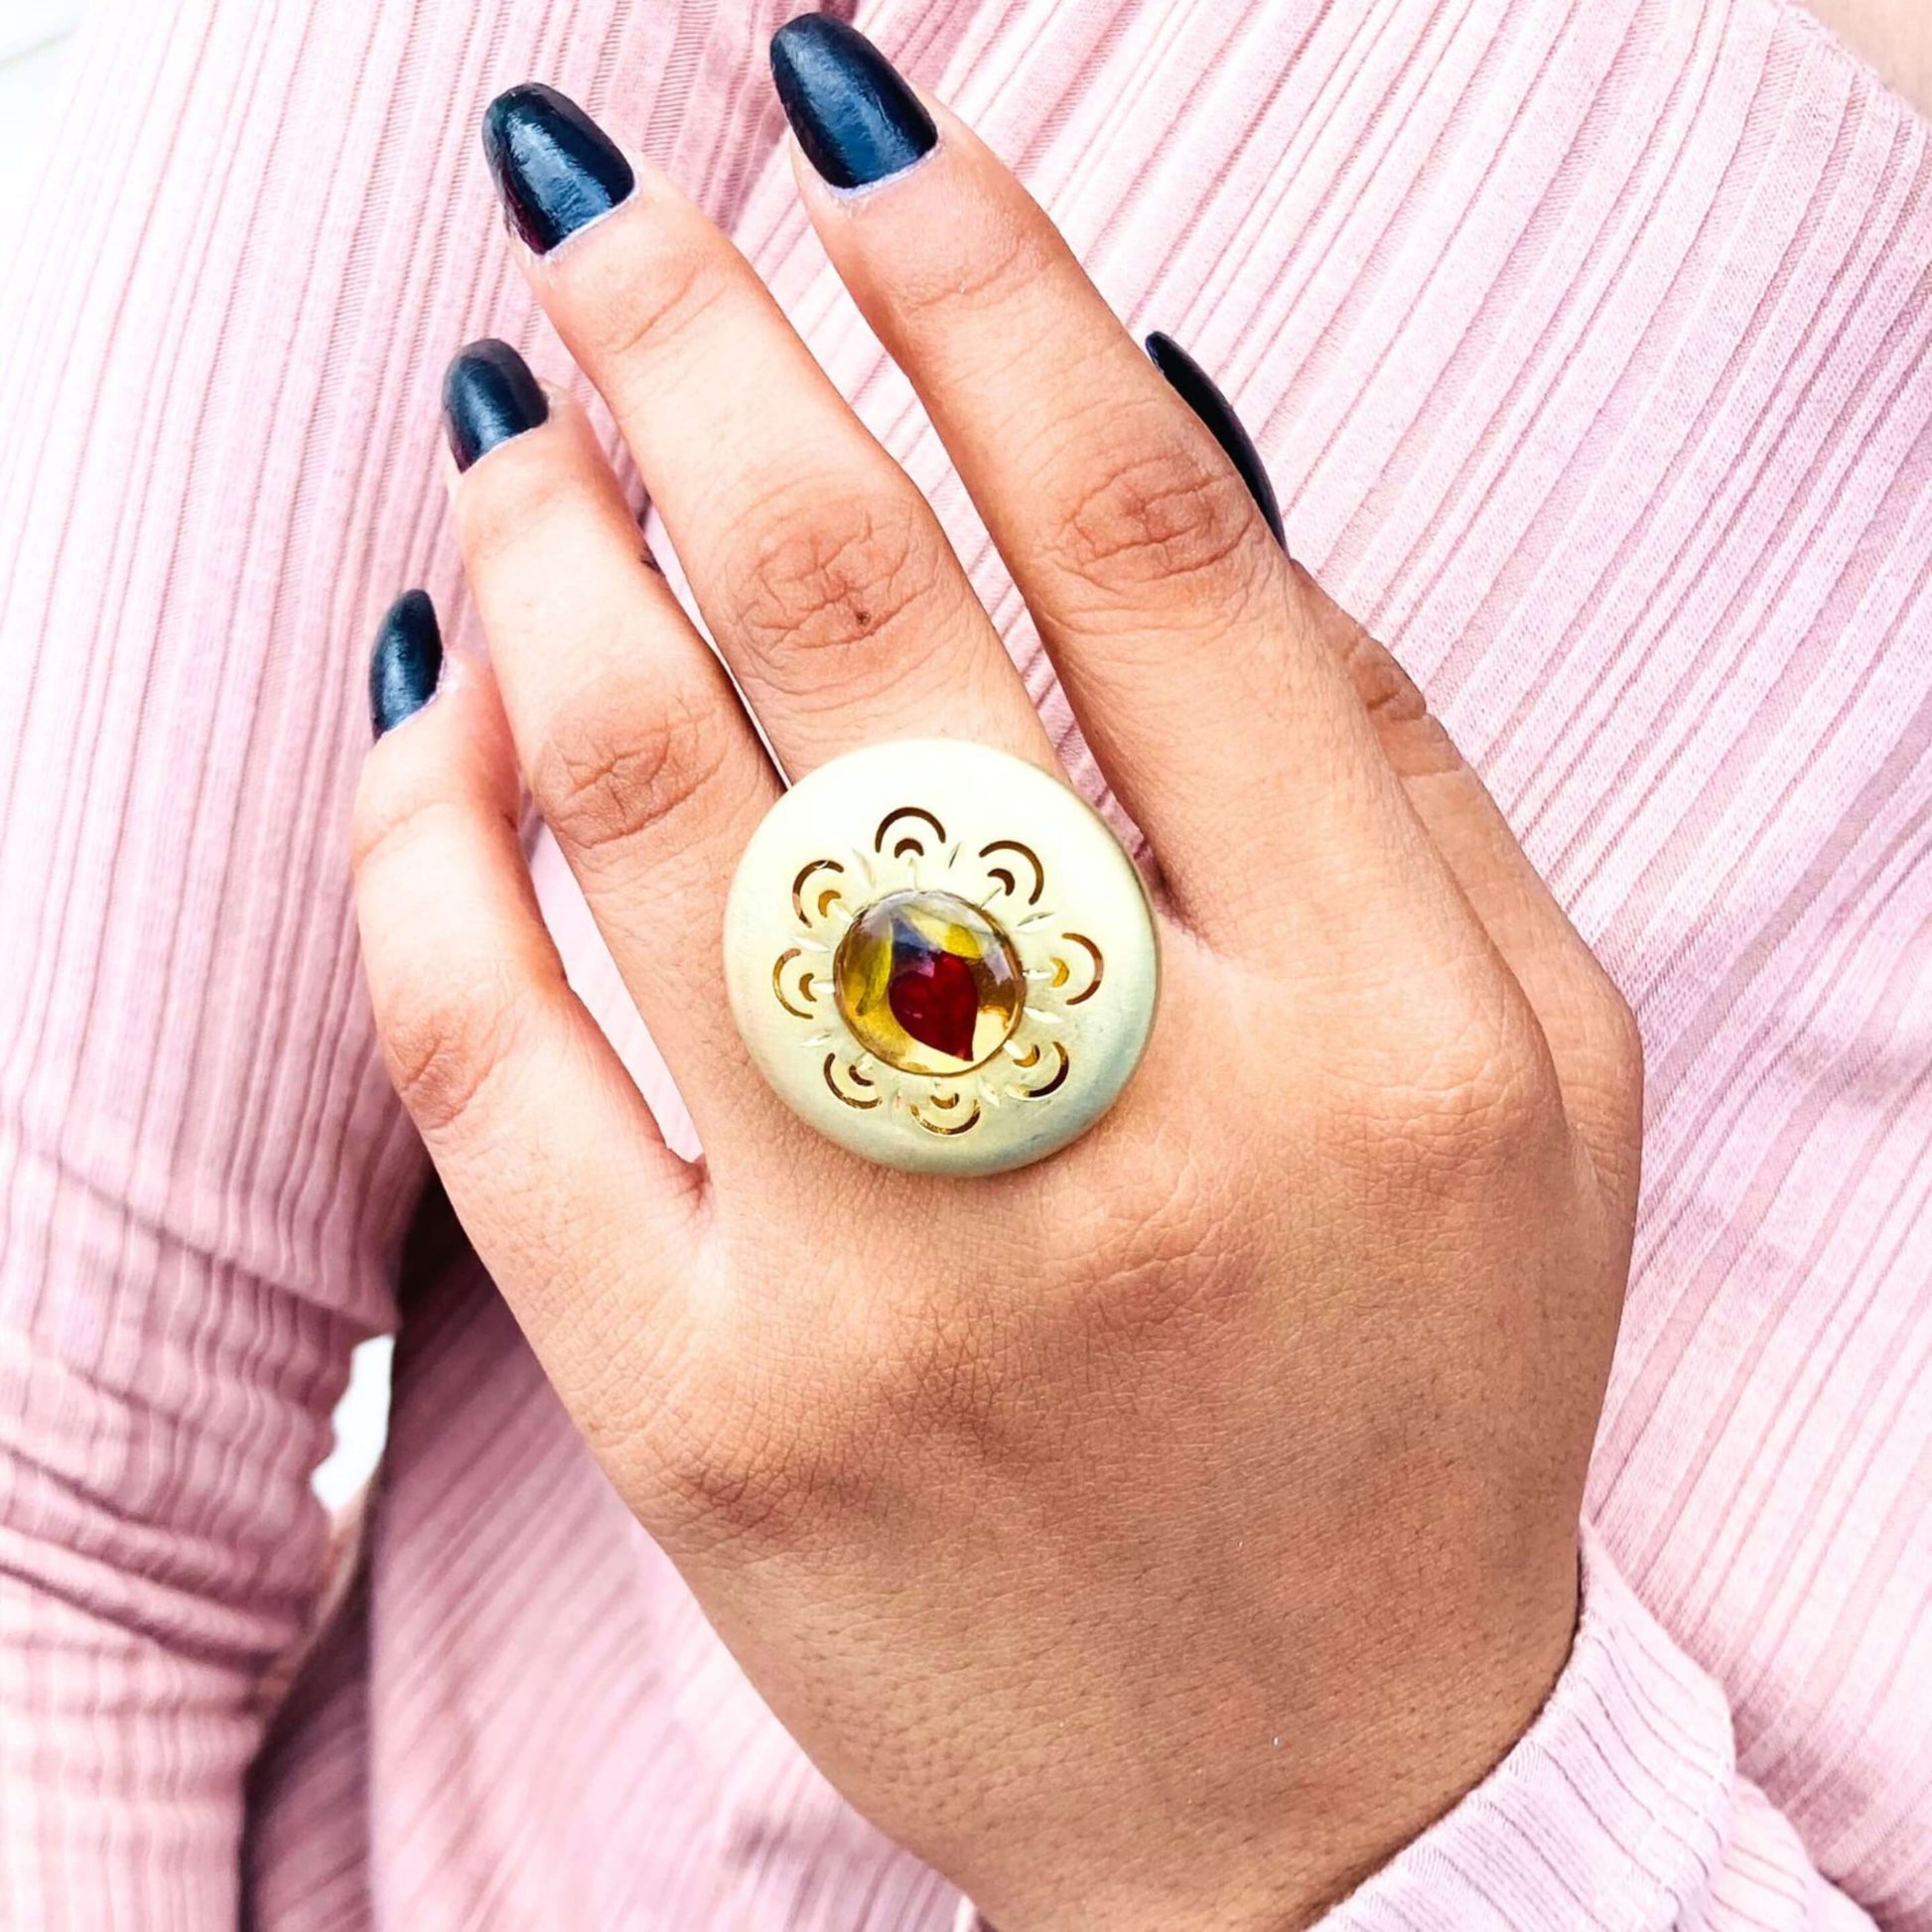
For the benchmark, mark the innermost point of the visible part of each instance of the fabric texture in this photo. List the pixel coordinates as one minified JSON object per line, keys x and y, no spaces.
{"x":1589,"y":346}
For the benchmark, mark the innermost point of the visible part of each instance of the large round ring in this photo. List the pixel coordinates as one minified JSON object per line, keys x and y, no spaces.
{"x":940,"y":957}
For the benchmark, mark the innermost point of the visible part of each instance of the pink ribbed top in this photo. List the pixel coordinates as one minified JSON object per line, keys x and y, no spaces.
{"x":1590,"y":346}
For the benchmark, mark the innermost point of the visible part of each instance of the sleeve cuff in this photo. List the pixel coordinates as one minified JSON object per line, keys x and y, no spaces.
{"x":1620,"y":1807}
{"x":1615,"y":1807}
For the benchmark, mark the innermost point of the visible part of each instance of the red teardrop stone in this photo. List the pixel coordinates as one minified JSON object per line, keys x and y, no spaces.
{"x":936,"y":998}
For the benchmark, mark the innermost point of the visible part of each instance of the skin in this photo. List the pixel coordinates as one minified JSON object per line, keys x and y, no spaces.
{"x":1163,"y":1535}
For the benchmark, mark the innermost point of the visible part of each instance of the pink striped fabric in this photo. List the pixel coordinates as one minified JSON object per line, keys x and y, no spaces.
{"x":1591,"y":345}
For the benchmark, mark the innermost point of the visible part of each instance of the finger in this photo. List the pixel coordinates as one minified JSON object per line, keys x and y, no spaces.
{"x":821,"y":572}
{"x":1173,"y":623}
{"x":1591,"y":1033}
{"x":1590,"y":1029}
{"x":637,"y":750}
{"x":1198,"y":390}
{"x":542,"y":1142}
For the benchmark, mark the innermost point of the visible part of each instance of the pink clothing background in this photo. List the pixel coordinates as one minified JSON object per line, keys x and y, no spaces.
{"x":1590,"y":346}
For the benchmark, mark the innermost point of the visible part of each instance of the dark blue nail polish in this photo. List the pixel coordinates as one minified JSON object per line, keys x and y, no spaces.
{"x":489,"y":396}
{"x":1196,"y":388}
{"x":856,"y":119}
{"x":555,"y":168}
{"x":406,"y":661}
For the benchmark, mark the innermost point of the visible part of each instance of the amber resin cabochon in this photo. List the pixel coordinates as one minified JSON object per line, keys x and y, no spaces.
{"x":940,"y":956}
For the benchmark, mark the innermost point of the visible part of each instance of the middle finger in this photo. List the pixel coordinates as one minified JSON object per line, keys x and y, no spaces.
{"x":1179,"y":632}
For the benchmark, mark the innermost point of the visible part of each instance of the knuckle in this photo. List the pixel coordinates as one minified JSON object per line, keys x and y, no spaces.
{"x":741,"y":1481}
{"x":616,"y":762}
{"x":813,"y":574}
{"x":1469,"y":1085}
{"x":937,"y":280}
{"x":386,"y":825}
{"x":446,"y":1039}
{"x":509,"y":506}
{"x":416,"y":828}
{"x":1414,"y":741}
{"x":1388,"y":693}
{"x":624,"y":310}
{"x":1155,"y":514}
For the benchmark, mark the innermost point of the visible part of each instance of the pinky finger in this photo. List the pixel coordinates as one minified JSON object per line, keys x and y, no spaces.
{"x":548,"y":1153}
{"x":1592,"y":1037}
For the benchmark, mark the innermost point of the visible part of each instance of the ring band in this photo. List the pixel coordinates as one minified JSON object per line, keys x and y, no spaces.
{"x":940,"y":957}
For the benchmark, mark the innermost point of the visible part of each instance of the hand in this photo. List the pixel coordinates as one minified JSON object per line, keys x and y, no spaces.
{"x":1161,"y":1535}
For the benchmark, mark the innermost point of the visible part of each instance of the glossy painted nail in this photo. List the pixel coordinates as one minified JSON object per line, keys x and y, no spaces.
{"x":406,"y":663}
{"x":856,"y":119}
{"x":556,"y":170}
{"x":1196,"y":388}
{"x":489,"y":396}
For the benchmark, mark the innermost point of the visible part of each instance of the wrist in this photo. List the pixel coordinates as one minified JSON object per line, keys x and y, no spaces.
{"x":1267,"y":1837}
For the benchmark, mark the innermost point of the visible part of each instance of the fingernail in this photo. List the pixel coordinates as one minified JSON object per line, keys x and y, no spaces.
{"x":556,"y":170}
{"x":406,"y":663}
{"x":856,"y":119}
{"x":489,"y":396}
{"x":1196,"y":388}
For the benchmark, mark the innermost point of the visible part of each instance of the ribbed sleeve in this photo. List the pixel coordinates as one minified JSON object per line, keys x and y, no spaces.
{"x":1623,"y":1806}
{"x":1590,"y":344}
